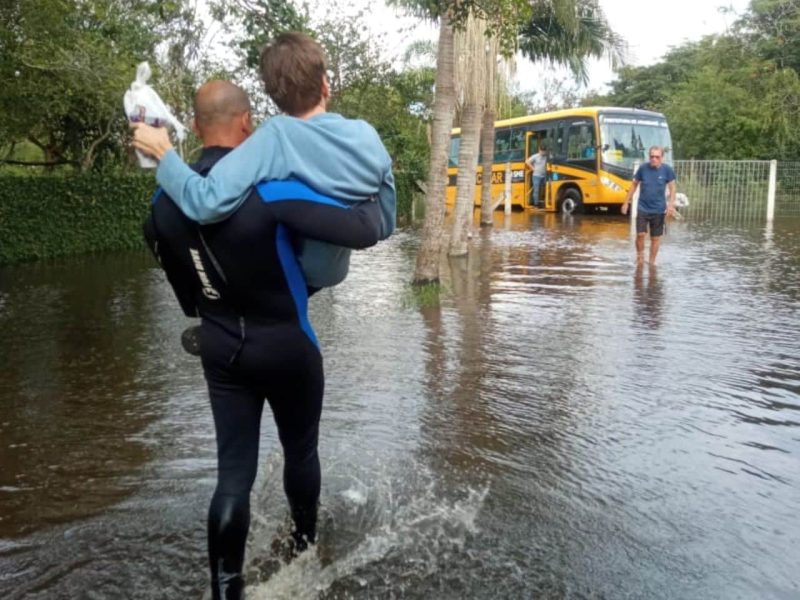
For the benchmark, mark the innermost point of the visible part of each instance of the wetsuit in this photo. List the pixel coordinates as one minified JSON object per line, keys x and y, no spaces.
{"x":242,"y":277}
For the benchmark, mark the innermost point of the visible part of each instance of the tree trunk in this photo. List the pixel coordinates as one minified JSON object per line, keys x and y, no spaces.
{"x":87,"y":162}
{"x":427,"y":268}
{"x":487,"y":160}
{"x":465,"y":190}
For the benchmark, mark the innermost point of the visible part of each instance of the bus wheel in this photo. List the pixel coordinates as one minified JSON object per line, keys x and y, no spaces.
{"x":571,"y":202}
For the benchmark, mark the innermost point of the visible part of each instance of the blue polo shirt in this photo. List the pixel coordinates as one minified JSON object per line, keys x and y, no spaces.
{"x":652,"y":187}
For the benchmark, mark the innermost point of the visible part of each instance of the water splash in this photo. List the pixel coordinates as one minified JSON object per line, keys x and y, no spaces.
{"x":400,"y":516}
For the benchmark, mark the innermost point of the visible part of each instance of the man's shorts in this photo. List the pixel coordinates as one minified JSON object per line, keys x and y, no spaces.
{"x":655,"y":220}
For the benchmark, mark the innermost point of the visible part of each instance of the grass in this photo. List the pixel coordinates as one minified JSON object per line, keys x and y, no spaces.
{"x":424,"y":295}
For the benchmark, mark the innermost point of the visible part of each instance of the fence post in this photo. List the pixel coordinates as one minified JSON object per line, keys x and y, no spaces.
{"x":773,"y":180}
{"x":634,"y":201}
{"x":507,"y":207}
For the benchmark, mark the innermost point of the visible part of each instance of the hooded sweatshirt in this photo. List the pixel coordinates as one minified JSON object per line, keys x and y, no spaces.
{"x":337,"y":157}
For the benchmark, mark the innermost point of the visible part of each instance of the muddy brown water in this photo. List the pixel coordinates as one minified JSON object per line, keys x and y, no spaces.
{"x":562,"y":425}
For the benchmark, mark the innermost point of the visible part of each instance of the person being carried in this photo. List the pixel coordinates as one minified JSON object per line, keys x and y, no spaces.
{"x":655,"y":179}
{"x":338,"y":157}
{"x":538,"y":164}
{"x":241,"y":277}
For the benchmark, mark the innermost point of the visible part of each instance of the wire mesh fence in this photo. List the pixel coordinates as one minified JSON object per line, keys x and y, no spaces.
{"x":787,"y":193}
{"x":737,"y":190}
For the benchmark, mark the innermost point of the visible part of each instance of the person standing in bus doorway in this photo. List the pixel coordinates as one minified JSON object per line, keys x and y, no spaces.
{"x":655,"y":179}
{"x":538,"y":164}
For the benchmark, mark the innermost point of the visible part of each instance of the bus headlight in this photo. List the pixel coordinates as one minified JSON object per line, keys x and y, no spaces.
{"x":610,"y":184}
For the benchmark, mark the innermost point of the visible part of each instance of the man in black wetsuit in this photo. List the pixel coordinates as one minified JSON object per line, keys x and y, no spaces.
{"x":242,"y":278}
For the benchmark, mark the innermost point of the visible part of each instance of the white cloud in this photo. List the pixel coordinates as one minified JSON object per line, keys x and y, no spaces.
{"x":650,"y":29}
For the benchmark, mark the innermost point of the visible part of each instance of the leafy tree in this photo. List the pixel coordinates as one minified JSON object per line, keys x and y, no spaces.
{"x":752,"y":112}
{"x":649,"y":87}
{"x":256,"y":22}
{"x":710,"y":103}
{"x":733,"y":96}
{"x":568,"y":35}
{"x":64,"y":65}
{"x":773,"y":29}
{"x":365,"y":86}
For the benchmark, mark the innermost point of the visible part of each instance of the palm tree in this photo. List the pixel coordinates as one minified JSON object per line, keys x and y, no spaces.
{"x":427,"y":268}
{"x":569,"y":41}
{"x":556,"y":35}
{"x":580,"y":31}
{"x":472,"y":76}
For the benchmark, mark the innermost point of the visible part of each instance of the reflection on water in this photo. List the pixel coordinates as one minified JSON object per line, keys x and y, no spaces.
{"x":648,"y":297}
{"x":563,"y":425}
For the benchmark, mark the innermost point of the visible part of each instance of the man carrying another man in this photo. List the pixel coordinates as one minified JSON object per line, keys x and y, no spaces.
{"x":242,"y":277}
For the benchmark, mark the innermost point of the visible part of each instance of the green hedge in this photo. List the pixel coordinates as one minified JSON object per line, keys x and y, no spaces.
{"x":46,"y":216}
{"x":405,"y":186}
{"x":51,"y":216}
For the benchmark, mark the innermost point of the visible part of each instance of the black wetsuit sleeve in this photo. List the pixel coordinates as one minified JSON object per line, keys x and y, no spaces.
{"x":357,"y":226}
{"x":180,"y":286}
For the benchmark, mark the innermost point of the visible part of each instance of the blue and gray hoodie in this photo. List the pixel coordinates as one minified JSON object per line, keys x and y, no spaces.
{"x":338,"y":157}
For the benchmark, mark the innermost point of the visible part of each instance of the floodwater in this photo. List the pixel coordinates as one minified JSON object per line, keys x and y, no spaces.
{"x":563,"y":425}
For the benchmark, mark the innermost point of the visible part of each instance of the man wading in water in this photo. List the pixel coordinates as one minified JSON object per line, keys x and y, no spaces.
{"x":655,"y":178}
{"x":256,"y":341}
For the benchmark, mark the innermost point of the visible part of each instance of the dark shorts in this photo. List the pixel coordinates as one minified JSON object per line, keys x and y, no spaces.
{"x":655,"y":220}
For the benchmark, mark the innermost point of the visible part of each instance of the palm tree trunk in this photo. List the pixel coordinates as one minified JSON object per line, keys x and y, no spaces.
{"x":487,"y":160}
{"x":465,"y":189}
{"x":427,"y":268}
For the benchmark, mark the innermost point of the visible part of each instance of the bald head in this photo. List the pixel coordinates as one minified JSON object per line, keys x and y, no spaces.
{"x":221,"y":114}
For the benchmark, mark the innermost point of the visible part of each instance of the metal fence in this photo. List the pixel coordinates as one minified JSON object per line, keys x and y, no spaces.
{"x":739,"y":190}
{"x":787,"y":193}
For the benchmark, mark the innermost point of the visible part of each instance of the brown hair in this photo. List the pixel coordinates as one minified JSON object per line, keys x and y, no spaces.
{"x":292,"y":68}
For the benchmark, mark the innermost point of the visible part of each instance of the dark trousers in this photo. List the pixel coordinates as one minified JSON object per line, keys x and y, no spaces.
{"x":280,"y":364}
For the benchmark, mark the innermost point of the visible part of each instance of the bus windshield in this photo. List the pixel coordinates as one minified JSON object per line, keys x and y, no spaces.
{"x":626,"y":139}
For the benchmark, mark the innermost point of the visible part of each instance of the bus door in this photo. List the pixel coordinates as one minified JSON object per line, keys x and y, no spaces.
{"x":555,"y":159}
{"x":531,"y":145}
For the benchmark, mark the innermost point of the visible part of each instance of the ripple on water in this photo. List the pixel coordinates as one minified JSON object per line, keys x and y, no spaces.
{"x":562,"y":426}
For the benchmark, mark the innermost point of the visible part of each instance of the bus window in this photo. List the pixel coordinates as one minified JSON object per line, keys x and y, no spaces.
{"x":455,"y":145}
{"x":626,"y":138}
{"x":540,"y":138}
{"x":552,"y":138}
{"x":501,"y":145}
{"x":581,"y":143}
{"x":516,"y":144}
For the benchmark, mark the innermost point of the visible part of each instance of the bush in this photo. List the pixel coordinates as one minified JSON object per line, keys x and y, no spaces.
{"x":46,"y":216}
{"x":50,"y":216}
{"x":405,"y":185}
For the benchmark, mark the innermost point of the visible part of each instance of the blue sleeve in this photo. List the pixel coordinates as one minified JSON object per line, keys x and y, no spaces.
{"x":638,"y":175}
{"x":670,"y":174}
{"x":353,"y":226}
{"x":214,"y":197}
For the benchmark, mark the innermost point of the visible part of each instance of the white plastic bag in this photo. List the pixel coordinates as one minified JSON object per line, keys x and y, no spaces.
{"x":143,"y":104}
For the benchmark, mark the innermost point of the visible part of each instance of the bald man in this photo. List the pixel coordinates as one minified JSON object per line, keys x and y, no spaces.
{"x":241,"y":276}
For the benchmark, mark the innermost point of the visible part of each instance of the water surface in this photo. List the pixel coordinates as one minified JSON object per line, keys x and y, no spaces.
{"x":563,"y":425}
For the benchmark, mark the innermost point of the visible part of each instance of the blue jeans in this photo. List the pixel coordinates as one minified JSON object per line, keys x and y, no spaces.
{"x":538,"y":180}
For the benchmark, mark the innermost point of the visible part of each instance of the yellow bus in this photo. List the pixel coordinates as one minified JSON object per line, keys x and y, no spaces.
{"x":591,"y":152}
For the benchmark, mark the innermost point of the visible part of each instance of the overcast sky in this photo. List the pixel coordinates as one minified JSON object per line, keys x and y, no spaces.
{"x":649,"y":28}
